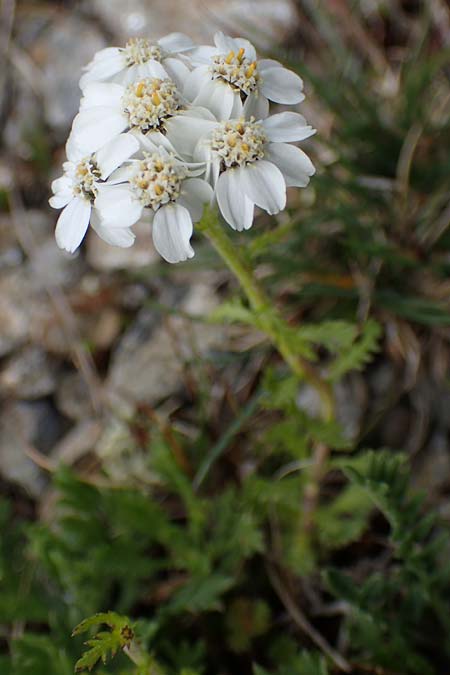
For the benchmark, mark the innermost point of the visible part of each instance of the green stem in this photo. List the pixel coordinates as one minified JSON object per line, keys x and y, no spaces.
{"x":269,"y":318}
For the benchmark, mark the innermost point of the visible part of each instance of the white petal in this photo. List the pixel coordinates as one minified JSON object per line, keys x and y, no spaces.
{"x":281,"y":85}
{"x":293,"y":163}
{"x":116,"y":236}
{"x":72,"y":224}
{"x":235,"y":206}
{"x":101,"y":93}
{"x":73,"y":151}
{"x":265,"y":64}
{"x":153,"y":140}
{"x":61,"y":184}
{"x":195,"y":193}
{"x":226,"y":44}
{"x":256,"y":106}
{"x":172,"y":231}
{"x":118,"y":206}
{"x":184,"y":132}
{"x":177,"y":71}
{"x":94,"y":127}
{"x":131,"y":74}
{"x":194,"y":82}
{"x":238,"y":107}
{"x":105,"y":64}
{"x":114,"y":153}
{"x":203,"y":55}
{"x":218,"y":97}
{"x":287,"y":126}
{"x":60,"y":199}
{"x":152,"y":68}
{"x":176,"y":42}
{"x":264,"y":184}
{"x":120,"y":175}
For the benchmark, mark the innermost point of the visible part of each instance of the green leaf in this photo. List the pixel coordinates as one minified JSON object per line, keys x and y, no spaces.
{"x":105,"y":644}
{"x":357,"y":355}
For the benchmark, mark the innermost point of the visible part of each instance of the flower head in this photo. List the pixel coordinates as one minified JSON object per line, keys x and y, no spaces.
{"x":149,"y":102}
{"x":140,"y":58}
{"x":251,"y":163}
{"x":196,"y":121}
{"x":77,"y":189}
{"x":146,"y":108}
{"x":230,"y":80}
{"x":163,"y":189}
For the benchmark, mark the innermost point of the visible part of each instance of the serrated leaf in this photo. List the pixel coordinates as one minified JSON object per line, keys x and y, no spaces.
{"x":357,"y":355}
{"x":105,"y":644}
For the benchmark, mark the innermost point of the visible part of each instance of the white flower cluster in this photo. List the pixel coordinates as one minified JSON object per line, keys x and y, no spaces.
{"x":167,"y":127}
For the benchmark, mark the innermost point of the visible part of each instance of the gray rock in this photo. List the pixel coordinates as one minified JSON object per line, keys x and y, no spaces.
{"x":266,"y":20}
{"x":149,"y":362}
{"x":73,"y":398}
{"x":77,"y":443}
{"x":351,"y":403}
{"x":25,"y":428}
{"x":105,"y":258}
{"x":52,"y":267}
{"x":64,"y":48}
{"x":433,"y":471}
{"x":16,"y":309}
{"x":29,"y":374}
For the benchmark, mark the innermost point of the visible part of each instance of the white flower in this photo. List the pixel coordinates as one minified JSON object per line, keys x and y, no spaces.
{"x":251,"y":163}
{"x":166,"y":190}
{"x":140,"y":58}
{"x":147,"y":108}
{"x":75,"y":192}
{"x":231,"y":81}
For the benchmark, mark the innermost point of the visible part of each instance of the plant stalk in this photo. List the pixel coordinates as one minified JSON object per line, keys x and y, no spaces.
{"x":269,"y":318}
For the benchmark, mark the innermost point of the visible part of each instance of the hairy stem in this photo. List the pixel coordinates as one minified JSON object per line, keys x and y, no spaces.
{"x":269,"y":318}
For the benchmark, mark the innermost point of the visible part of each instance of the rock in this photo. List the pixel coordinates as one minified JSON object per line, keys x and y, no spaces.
{"x":24,"y":428}
{"x":149,"y":362}
{"x":309,"y":401}
{"x":62,"y":50}
{"x":52,"y":267}
{"x":265,"y":20}
{"x":10,"y":252}
{"x":73,"y":397}
{"x":29,"y":374}
{"x":17,"y":309}
{"x":350,"y":398}
{"x":124,"y":460}
{"x":433,"y":471}
{"x":351,"y":402}
{"x":78,"y":442}
{"x":105,"y":258}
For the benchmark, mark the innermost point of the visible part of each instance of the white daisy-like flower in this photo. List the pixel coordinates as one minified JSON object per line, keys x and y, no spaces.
{"x":139,"y":59}
{"x":146,"y":107}
{"x":163,"y":189}
{"x":76,"y":191}
{"x":230,"y":80}
{"x":252,"y":163}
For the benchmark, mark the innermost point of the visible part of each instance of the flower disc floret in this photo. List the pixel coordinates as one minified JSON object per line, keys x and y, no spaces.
{"x":238,"y":142}
{"x":86,"y":173}
{"x":139,"y":51}
{"x":234,"y":68}
{"x":157,"y":180}
{"x":149,"y":102}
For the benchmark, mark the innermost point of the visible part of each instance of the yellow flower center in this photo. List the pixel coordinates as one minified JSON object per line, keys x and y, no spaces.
{"x":238,"y":143}
{"x":139,"y":51}
{"x":157,"y":180}
{"x":85,"y":176}
{"x":150,"y":102}
{"x":238,"y":71}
